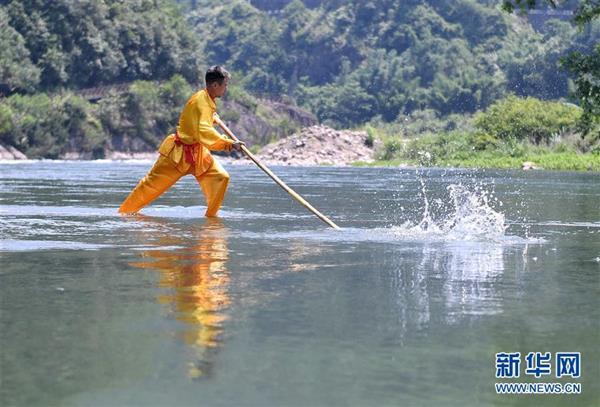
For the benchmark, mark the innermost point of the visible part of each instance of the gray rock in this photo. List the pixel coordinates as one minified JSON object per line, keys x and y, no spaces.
{"x":11,"y":153}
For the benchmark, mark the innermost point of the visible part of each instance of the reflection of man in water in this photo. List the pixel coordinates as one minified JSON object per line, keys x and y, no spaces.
{"x":197,"y":274}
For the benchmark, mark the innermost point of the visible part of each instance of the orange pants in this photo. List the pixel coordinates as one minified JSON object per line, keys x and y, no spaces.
{"x":164,"y":174}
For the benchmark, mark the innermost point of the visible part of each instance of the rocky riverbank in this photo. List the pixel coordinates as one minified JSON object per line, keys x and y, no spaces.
{"x":319,"y":145}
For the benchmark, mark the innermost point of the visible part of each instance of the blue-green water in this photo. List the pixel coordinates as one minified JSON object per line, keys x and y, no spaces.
{"x":434,"y":272}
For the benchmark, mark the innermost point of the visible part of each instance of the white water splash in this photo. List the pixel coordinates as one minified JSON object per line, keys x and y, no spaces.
{"x":465,"y":215}
{"x":468,"y":217}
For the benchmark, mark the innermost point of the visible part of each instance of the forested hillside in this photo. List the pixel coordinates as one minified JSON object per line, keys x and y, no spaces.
{"x":78,"y":44}
{"x":351,"y":61}
{"x":382,"y":62}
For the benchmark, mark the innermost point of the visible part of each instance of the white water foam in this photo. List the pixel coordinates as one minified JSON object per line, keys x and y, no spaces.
{"x":468,"y":216}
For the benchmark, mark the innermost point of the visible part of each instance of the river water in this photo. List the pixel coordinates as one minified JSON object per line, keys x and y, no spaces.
{"x":433,"y":273}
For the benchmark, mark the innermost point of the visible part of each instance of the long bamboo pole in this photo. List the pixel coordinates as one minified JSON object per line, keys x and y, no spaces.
{"x":275,"y":178}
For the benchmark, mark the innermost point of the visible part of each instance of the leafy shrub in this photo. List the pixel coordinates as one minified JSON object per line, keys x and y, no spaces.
{"x":38,"y":125}
{"x":44,"y":126}
{"x":6,"y":125}
{"x":144,"y":111}
{"x":371,"y":136}
{"x":85,"y":132}
{"x":527,"y":118}
{"x":391,"y":147}
{"x":175,"y":92}
{"x":483,"y":141}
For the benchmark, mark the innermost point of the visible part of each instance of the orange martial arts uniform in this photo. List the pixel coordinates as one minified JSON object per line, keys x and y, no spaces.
{"x":187,"y":152}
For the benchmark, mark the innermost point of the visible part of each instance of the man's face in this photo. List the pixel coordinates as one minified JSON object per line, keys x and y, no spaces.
{"x":222,"y":88}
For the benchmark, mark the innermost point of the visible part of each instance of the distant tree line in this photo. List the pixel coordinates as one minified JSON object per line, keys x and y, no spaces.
{"x":352,"y":61}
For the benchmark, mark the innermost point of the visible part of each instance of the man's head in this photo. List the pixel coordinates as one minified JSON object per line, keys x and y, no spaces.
{"x":217,"y":79}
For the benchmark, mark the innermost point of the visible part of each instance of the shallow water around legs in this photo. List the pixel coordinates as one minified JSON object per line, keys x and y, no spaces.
{"x":433,"y":273}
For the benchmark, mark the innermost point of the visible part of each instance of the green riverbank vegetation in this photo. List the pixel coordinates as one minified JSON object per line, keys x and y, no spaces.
{"x":511,"y":132}
{"x":50,"y":125}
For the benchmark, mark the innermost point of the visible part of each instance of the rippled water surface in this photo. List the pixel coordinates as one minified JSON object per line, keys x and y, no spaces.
{"x":433,"y":273}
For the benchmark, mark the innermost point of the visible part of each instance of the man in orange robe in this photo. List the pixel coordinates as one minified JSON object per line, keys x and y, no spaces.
{"x":188,"y":151}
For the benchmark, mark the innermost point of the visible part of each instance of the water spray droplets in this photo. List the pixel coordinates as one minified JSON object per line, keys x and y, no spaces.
{"x":466,"y":215}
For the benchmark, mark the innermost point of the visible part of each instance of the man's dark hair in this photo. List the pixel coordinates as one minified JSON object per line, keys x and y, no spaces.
{"x":216,"y":74}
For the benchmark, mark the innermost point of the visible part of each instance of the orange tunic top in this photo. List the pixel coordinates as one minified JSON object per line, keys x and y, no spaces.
{"x":196,"y":135}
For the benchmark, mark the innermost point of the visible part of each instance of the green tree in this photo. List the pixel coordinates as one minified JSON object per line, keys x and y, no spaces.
{"x":48,"y":127}
{"x":586,"y":69}
{"x":146,"y":112}
{"x":88,"y":43}
{"x":17,"y":72}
